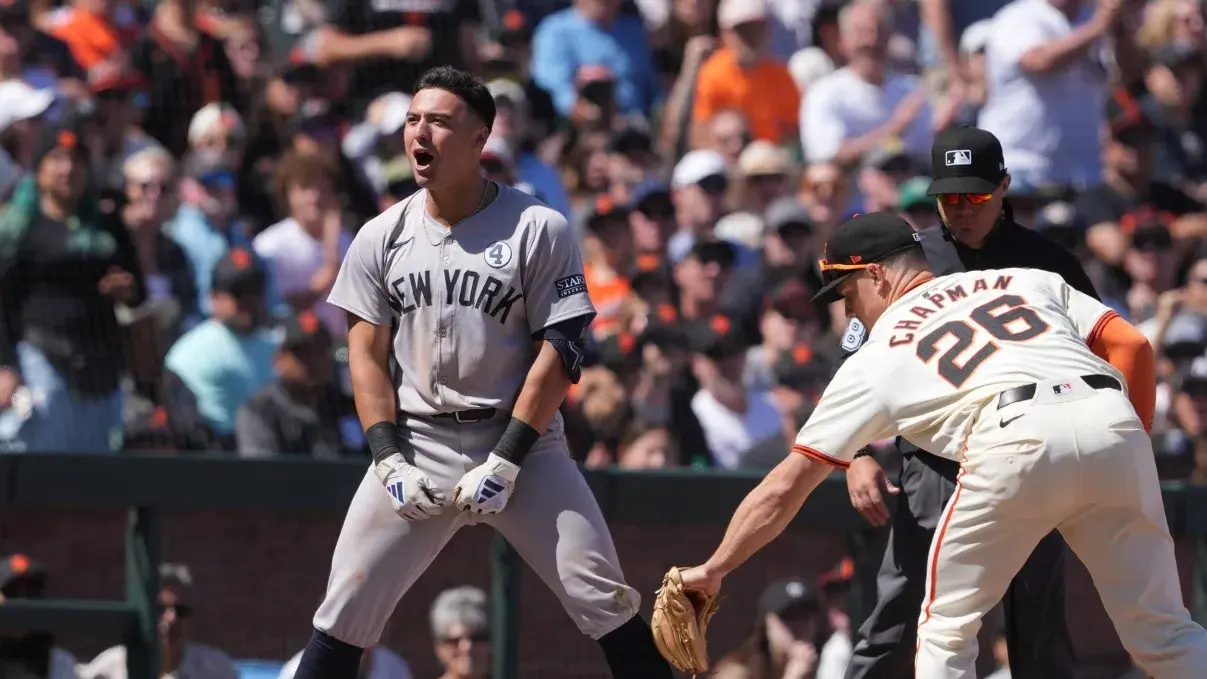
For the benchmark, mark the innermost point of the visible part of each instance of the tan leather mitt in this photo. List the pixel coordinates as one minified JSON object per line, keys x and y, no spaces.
{"x":680,"y":623}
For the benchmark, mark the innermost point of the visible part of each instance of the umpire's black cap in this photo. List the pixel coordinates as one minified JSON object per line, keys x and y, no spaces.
{"x":784,"y":598}
{"x":966,"y":160}
{"x":860,"y":241}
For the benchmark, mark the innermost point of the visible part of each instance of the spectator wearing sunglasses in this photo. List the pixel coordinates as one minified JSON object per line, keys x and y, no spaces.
{"x":461,"y":632}
{"x":698,"y":187}
{"x":178,"y":656}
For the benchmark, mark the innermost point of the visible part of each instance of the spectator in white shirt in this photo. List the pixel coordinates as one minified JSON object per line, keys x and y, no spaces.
{"x":1047,"y":86}
{"x":303,"y":251}
{"x":864,"y":105}
{"x":178,"y":657}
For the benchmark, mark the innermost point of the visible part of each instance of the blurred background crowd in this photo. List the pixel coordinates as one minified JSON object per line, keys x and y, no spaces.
{"x":180,"y":180}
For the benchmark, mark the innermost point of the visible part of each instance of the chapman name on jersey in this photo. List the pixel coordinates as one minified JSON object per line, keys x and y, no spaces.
{"x":944,"y":351}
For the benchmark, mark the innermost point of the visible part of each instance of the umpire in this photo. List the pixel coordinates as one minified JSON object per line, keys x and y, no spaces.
{"x":978,"y":232}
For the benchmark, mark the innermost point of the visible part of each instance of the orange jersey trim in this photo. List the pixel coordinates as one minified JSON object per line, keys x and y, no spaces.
{"x":819,"y":456}
{"x":1096,"y":332}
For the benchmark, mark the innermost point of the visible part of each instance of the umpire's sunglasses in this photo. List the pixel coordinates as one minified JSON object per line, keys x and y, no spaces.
{"x":974,"y":198}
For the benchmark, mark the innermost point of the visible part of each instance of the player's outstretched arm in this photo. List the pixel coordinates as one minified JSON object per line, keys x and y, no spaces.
{"x":413,"y":495}
{"x":761,"y":517}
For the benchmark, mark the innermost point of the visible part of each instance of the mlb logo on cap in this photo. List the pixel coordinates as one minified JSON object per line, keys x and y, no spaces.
{"x":1062,"y":389}
{"x":959,"y":157}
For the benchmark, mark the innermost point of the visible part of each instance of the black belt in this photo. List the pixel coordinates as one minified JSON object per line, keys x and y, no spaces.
{"x":1027,"y":391}
{"x":469,"y":416}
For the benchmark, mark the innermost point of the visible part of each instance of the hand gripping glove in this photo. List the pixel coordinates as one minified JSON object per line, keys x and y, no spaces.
{"x":412,"y":494}
{"x":486,"y":488}
{"x":680,"y":623}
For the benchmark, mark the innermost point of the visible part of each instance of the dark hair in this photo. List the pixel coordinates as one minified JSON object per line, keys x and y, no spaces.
{"x":305,"y":169}
{"x":906,"y":257}
{"x":466,"y":87}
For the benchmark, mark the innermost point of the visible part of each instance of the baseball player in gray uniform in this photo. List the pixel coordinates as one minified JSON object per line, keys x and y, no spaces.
{"x":467,"y":309}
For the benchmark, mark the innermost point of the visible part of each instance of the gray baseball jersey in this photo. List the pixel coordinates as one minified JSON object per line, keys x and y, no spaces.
{"x":464,"y":303}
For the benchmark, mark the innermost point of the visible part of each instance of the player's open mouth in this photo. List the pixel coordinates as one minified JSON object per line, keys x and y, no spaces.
{"x":422,"y":158}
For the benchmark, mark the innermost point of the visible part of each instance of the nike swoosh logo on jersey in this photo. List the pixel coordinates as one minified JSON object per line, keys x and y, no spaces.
{"x":1007,"y":420}
{"x":399,"y":243}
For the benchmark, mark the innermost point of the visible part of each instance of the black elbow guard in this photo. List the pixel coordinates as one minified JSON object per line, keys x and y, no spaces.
{"x":569,"y":338}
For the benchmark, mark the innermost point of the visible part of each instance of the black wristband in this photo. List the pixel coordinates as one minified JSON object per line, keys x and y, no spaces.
{"x":863,"y":452}
{"x":383,"y":440}
{"x":516,"y":442}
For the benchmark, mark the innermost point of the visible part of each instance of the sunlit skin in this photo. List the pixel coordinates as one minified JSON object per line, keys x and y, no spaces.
{"x":971,"y":224}
{"x":444,"y":141}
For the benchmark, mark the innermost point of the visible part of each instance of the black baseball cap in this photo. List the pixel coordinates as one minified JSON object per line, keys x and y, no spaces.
{"x":785,"y":597}
{"x":966,"y":160}
{"x":715,"y":337}
{"x":303,"y":330}
{"x":238,"y":274}
{"x":860,"y":241}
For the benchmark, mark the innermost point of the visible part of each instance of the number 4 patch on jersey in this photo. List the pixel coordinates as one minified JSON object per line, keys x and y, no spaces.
{"x":852,"y":339}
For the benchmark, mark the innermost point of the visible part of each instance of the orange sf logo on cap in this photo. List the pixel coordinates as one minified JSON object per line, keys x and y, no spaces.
{"x":308,"y":322}
{"x":67,"y":139}
{"x":240,"y":258}
{"x":19,"y":563}
{"x":720,"y":324}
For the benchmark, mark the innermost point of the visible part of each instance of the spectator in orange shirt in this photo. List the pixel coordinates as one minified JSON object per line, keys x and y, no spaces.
{"x":607,"y":253}
{"x":95,"y":32}
{"x":742,"y":76}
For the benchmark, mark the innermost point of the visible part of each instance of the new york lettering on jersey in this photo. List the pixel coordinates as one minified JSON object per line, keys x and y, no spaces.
{"x":471,"y":289}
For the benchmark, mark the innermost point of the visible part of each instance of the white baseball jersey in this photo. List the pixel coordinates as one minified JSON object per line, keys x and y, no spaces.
{"x":945,"y":350}
{"x":463,"y":302}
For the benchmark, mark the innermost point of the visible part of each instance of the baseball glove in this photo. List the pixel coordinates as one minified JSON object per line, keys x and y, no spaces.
{"x":680,"y":623}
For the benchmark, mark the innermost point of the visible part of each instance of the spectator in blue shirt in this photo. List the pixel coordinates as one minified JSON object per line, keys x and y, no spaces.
{"x":227,"y":359}
{"x":593,"y":33}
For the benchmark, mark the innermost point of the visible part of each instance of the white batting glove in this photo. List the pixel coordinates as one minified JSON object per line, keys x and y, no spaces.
{"x":486,"y":488}
{"x":412,"y":494}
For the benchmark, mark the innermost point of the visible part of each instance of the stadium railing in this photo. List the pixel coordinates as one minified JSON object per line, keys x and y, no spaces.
{"x":146,"y":484}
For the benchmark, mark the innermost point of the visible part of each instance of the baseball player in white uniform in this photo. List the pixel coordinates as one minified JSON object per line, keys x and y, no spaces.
{"x":1000,"y":371}
{"x":467,"y":308}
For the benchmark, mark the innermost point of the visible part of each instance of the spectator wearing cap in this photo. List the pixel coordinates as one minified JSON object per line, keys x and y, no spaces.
{"x":377,"y":139}
{"x":206,"y":224}
{"x":742,"y":75}
{"x":302,"y":412}
{"x":787,"y":251}
{"x":701,"y":277}
{"x":835,"y":586}
{"x":1046,"y":91}
{"x":460,"y":624}
{"x":765,"y":172}
{"x":65,"y":262}
{"x":788,"y":322}
{"x":698,"y":187}
{"x":788,"y":634}
{"x":1175,"y":85}
{"x":179,"y":655}
{"x":865,"y":104}
{"x":825,"y":191}
{"x":631,"y":158}
{"x":607,"y":257}
{"x":594,"y":33}
{"x":185,"y":69}
{"x":34,"y":655}
{"x":743,"y":428}
{"x":915,"y":205}
{"x":228,"y":358}
{"x":218,"y":135}
{"x":302,"y":253}
{"x":21,"y":110}
{"x":514,"y":123}
{"x":652,"y":219}
{"x":1129,"y":197}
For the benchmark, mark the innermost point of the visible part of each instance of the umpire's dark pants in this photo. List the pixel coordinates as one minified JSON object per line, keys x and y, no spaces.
{"x":1038,"y":638}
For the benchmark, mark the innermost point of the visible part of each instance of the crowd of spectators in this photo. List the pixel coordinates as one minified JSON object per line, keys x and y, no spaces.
{"x":181,"y":178}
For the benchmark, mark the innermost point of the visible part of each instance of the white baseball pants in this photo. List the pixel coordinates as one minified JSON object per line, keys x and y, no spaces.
{"x":1081,"y":462}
